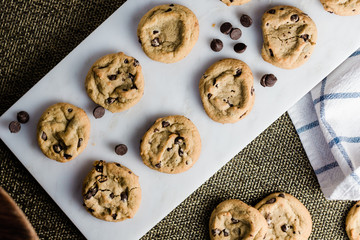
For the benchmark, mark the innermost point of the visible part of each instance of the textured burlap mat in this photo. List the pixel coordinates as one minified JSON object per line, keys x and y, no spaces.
{"x":36,"y":35}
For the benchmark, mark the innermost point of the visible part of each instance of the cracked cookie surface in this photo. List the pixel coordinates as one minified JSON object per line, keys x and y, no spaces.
{"x":115,"y":82}
{"x":226,"y":90}
{"x":171,"y":145}
{"x":63,"y":131}
{"x":167,"y":33}
{"x":352,"y":223}
{"x":111,"y":192}
{"x":235,"y":2}
{"x":286,"y":216}
{"x":233,"y":219}
{"x":289,"y":37}
{"x":342,"y":7}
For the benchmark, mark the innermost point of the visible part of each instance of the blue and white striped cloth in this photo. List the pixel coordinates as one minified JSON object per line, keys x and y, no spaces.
{"x":327,"y":120}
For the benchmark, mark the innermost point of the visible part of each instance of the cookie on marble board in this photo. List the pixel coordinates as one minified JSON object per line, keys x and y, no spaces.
{"x":235,"y":2}
{"x":342,"y":8}
{"x":115,"y":82}
{"x":352,"y":224}
{"x":286,"y":216}
{"x":289,"y":37}
{"x":111,"y":192}
{"x":233,"y":219}
{"x":167,"y":33}
{"x":171,"y":145}
{"x":63,"y":131}
{"x":226,"y":90}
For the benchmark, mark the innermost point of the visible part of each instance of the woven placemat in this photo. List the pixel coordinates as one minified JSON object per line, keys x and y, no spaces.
{"x":36,"y":35}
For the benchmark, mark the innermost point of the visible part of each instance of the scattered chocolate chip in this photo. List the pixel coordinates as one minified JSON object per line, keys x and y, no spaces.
{"x":178,"y":140}
{"x":110,"y":100}
{"x":226,"y":233}
{"x":101,"y":178}
{"x":225,"y":28}
{"x":240,"y":47}
{"x":233,"y":220}
{"x":305,"y":37}
{"x":99,"y":167}
{"x":155,"y":42}
{"x":284,"y":228}
{"x":118,"y":164}
{"x":216,"y":45}
{"x":57,"y":148}
{"x":111,"y":77}
{"x":156,"y":130}
{"x":168,"y":10}
{"x":111,"y":195}
{"x":155,"y":31}
{"x":181,"y":153}
{"x":252,"y":90}
{"x":70,"y":110}
{"x":281,"y":195}
{"x":14,"y":127}
{"x":139,"y":40}
{"x":171,"y":5}
{"x":165,"y":124}
{"x":235,"y":33}
{"x":99,"y":112}
{"x":209,"y":95}
{"x":215,"y":232}
{"x":124,"y":196}
{"x":238,"y":72}
{"x":114,"y":216}
{"x":271,"y":53}
{"x":168,"y":149}
{"x":136,"y":63}
{"x":187,"y":163}
{"x":67,"y":156}
{"x":271,"y":200}
{"x":121,"y":149}
{"x":126,"y":61}
{"x":131,"y":76}
{"x":91,"y":192}
{"x":271,"y":11}
{"x":294,"y":18}
{"x":246,"y":20}
{"x":91,"y":210}
{"x":357,"y":205}
{"x":158,"y":165}
{"x":268,"y":80}
{"x":43,"y":136}
{"x":22,"y":117}
{"x":130,"y":172}
{"x":281,"y":8}
{"x":79,"y":142}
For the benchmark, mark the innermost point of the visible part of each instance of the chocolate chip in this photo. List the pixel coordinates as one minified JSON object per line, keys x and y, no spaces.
{"x":281,"y":195}
{"x":252,"y":90}
{"x":271,"y":200}
{"x":156,"y":130}
{"x":91,"y":192}
{"x":139,"y":40}
{"x":271,"y":52}
{"x":225,"y":28}
{"x":70,"y":110}
{"x":284,"y":228}
{"x":126,"y":61}
{"x":357,"y":205}
{"x":178,"y":140}
{"x":209,"y":95}
{"x":110,"y":100}
{"x":99,"y":167}
{"x":281,"y":8}
{"x":131,"y":76}
{"x":294,"y":18}
{"x":158,"y":165}
{"x":240,"y":47}
{"x":226,"y":233}
{"x":14,"y":127}
{"x":130,"y":172}
{"x":233,"y":220}
{"x":118,"y":164}
{"x":101,"y":178}
{"x":246,"y":20}
{"x":238,"y":72}
{"x":22,"y":117}
{"x":168,"y":10}
{"x":187,"y":163}
{"x":57,"y":148}
{"x":121,"y":149}
{"x":235,"y":33}
{"x":268,"y":80}
{"x":155,"y":31}
{"x":67,"y":156}
{"x":136,"y":63}
{"x":99,"y":112}
{"x":111,"y":77}
{"x":181,"y":153}
{"x":168,"y":149}
{"x":305,"y":37}
{"x":79,"y":142}
{"x":165,"y":124}
{"x":124,"y":196}
{"x":155,"y":42}
{"x":114,"y":216}
{"x":215,"y":232}
{"x":91,"y":210}
{"x":271,"y":11}
{"x":43,"y":136}
{"x":216,"y":45}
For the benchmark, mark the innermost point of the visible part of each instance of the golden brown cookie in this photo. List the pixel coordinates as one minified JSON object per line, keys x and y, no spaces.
{"x":342,"y":7}
{"x":289,"y":37}
{"x":111,"y":192}
{"x":115,"y":82}
{"x":167,"y":33}
{"x":63,"y":131}
{"x":171,"y":145}
{"x":353,"y":222}
{"x":287,"y":217}
{"x":233,"y":219}
{"x":226,"y":90}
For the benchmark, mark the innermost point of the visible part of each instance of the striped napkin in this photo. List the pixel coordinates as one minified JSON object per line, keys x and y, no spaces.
{"x":327,"y":120}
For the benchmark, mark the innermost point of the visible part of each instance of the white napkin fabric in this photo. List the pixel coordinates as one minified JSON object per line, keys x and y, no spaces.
{"x":327,"y":120}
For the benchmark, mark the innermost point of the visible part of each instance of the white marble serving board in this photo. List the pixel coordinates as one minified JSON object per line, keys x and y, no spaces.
{"x":169,"y":89}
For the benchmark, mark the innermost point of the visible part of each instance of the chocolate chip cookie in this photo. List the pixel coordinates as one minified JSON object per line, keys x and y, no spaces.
{"x":342,"y":8}
{"x":63,"y":131}
{"x":226,"y":91}
{"x":289,"y":37}
{"x":235,"y":2}
{"x":171,"y":145}
{"x":111,"y":192}
{"x":287,"y":217}
{"x":115,"y":82}
{"x":233,"y":219}
{"x":167,"y":33}
{"x":352,"y":222}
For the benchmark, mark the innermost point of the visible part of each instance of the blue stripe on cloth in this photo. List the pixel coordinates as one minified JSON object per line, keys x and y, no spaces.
{"x":344,"y":139}
{"x":326,"y":167}
{"x":333,"y":134}
{"x":331,"y":96}
{"x":307,"y":127}
{"x":355,"y":54}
